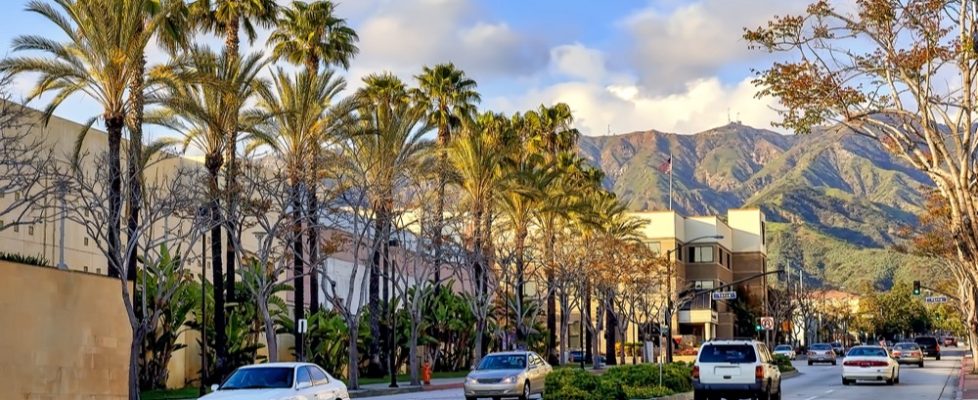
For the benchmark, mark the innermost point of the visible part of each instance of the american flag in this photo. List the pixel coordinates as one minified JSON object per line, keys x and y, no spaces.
{"x":667,"y":165}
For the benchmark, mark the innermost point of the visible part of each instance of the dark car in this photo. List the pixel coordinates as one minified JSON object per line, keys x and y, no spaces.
{"x":576,"y":356}
{"x":929,"y":345}
{"x":838,"y":348}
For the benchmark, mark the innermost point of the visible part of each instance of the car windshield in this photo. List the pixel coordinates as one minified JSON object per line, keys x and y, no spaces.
{"x":259,"y":378}
{"x":821,"y":346}
{"x":782,"y":347}
{"x":906,"y":346}
{"x":514,"y":361}
{"x":868,"y":352}
{"x":728,"y":353}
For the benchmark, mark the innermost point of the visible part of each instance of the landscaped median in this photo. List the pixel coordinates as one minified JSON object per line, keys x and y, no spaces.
{"x":624,"y":382}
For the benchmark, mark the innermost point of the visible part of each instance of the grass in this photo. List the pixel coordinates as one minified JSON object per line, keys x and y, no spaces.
{"x":170,"y":394}
{"x":402,"y":378}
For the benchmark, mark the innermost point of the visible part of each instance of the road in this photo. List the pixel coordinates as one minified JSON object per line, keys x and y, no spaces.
{"x":936,"y":381}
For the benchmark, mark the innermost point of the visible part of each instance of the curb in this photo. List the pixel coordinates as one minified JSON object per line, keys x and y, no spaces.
{"x":961,"y":374}
{"x":790,"y":374}
{"x":362,"y":393}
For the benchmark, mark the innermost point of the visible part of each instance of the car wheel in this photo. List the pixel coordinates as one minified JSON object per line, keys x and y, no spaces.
{"x":526,"y":391}
{"x":845,"y":382}
{"x":699,"y":396}
{"x":470,"y":398}
{"x":938,"y":357}
{"x":777,"y":396}
{"x":921,"y":364}
{"x":833,"y":362}
{"x":810,"y":363}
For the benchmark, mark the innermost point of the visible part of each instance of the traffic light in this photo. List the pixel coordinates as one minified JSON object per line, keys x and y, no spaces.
{"x":916,"y":288}
{"x":758,"y":327}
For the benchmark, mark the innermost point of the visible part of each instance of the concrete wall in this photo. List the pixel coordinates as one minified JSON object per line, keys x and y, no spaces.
{"x":748,"y":227}
{"x":64,"y":335}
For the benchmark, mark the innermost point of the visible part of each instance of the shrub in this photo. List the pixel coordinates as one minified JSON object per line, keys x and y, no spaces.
{"x":783,"y":363}
{"x":22,"y":259}
{"x":647,"y":392}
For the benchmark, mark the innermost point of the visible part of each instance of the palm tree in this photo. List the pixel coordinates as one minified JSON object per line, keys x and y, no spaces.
{"x":477,"y":156}
{"x":551,"y":135}
{"x":99,"y":60}
{"x":387,"y":144}
{"x":170,"y":35}
{"x":303,"y":112}
{"x":200,"y":84}
{"x":310,"y":34}
{"x":226,"y":18}
{"x":449,"y":98}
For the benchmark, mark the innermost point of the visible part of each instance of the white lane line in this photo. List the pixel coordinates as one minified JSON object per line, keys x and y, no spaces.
{"x":812,"y":398}
{"x":829,"y":391}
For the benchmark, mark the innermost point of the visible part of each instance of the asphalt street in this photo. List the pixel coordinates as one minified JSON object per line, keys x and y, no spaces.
{"x":936,"y":381}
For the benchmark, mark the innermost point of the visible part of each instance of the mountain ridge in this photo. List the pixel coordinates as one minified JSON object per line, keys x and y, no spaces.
{"x":837,"y":185}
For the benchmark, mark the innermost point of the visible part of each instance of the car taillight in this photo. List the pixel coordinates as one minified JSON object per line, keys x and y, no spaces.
{"x":877,"y":363}
{"x":936,"y":347}
{"x":696,"y":372}
{"x":916,"y":354}
{"x":896,"y":353}
{"x":759,"y":373}
{"x":811,"y":353}
{"x":850,"y":364}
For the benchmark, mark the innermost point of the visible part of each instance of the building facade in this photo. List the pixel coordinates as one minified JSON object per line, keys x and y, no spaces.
{"x":710,"y":252}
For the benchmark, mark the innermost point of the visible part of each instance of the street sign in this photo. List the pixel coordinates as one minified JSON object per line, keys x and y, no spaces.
{"x":303,"y":325}
{"x":767,"y":323}
{"x":725,"y":295}
{"x":936,"y":299}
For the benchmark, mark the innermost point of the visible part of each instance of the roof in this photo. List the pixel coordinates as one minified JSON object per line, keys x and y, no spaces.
{"x":510,"y":353}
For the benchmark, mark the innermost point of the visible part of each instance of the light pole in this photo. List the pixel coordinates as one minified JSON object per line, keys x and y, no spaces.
{"x":62,"y":192}
{"x":669,"y":304}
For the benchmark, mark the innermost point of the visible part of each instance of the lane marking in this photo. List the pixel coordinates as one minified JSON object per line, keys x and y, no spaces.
{"x":812,"y":398}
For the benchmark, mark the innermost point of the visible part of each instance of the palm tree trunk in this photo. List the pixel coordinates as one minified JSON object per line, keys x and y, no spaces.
{"x":213,"y":163}
{"x":521,"y":234}
{"x":440,"y":201}
{"x":113,"y":127}
{"x":375,"y":367}
{"x":610,"y":331}
{"x":313,"y":250}
{"x":299,"y":309}
{"x":231,"y":47}
{"x":552,"y":353}
{"x":134,"y":164}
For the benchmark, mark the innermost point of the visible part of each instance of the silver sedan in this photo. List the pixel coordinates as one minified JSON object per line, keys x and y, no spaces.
{"x":908,"y":353}
{"x":518,"y":374}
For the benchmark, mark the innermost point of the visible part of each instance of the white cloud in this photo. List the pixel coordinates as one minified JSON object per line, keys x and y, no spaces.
{"x":405,"y":35}
{"x":697,"y":40}
{"x":577,"y":61}
{"x":704,"y":104}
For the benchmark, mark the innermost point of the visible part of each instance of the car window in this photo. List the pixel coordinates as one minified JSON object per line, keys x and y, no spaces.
{"x":303,"y":376}
{"x":728,"y":353}
{"x":868,"y":352}
{"x":318,"y":376}
{"x":925,"y":341}
{"x":259,"y":378}
{"x":906,"y":346}
{"x":782,"y":347}
{"x":508,"y":361}
{"x":821,"y":346}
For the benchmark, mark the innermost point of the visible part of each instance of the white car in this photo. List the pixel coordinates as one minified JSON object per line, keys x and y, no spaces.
{"x":279,"y":381}
{"x":869,"y":363}
{"x":735,"y":369}
{"x":785,"y":350}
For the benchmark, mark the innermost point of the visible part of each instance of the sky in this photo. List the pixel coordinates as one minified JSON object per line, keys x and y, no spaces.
{"x":622,"y":65}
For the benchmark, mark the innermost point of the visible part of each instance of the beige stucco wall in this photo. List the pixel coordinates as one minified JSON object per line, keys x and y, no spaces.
{"x":748,"y":227}
{"x":64,"y":335}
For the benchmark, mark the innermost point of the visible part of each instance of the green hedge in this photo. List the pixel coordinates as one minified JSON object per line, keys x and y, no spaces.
{"x":783,"y":363}
{"x":619,"y":383}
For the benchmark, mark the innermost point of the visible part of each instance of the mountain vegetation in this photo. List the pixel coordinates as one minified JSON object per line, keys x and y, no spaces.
{"x":837,"y":202}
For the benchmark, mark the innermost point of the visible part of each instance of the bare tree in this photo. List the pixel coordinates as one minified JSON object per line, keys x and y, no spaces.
{"x":161,"y":199}
{"x":25,"y":163}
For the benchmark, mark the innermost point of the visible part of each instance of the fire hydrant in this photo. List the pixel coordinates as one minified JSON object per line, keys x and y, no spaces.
{"x":426,"y":373}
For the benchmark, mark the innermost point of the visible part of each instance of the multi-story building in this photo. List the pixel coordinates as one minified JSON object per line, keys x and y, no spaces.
{"x":710,"y":252}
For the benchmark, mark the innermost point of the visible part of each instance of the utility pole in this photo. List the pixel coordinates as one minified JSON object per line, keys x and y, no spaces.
{"x":62,"y":192}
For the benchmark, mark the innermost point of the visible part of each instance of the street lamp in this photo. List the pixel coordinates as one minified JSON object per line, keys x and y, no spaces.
{"x":669,"y":304}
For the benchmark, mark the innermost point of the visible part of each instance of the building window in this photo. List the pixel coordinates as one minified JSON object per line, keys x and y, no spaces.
{"x":763,"y":233}
{"x":86,"y":240}
{"x":98,"y":271}
{"x":85,"y":268}
{"x":656,"y":247}
{"x":1,"y":224}
{"x":701,"y":254}
{"x":16,"y":228}
{"x":16,"y":196}
{"x":30,"y":230}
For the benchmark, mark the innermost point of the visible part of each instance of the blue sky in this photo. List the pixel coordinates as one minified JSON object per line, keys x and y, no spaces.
{"x":670,"y":65}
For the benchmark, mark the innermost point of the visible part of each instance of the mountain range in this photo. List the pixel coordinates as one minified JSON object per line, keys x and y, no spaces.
{"x":836,"y":200}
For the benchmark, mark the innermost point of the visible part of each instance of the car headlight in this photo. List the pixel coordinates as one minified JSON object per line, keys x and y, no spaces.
{"x":509,"y":379}
{"x":471,"y":380}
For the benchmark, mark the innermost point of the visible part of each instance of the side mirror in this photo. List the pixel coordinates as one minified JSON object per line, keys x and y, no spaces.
{"x":214,"y":387}
{"x":303,"y":385}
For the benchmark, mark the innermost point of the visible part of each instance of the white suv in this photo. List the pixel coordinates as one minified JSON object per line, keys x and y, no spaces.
{"x":735,"y":369}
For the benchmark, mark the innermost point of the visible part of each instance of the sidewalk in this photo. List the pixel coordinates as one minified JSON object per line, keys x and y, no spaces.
{"x":967,"y":382}
{"x":382,"y":389}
